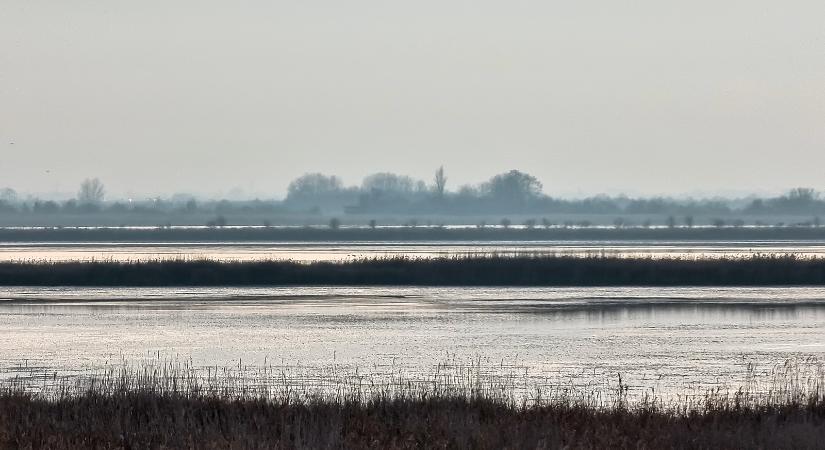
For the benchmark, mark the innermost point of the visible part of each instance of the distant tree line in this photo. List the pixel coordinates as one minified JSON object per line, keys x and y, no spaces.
{"x":91,"y":199}
{"x":513,"y":192}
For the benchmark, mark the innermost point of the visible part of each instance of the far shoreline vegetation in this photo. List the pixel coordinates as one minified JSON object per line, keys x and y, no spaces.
{"x":493,"y":270}
{"x":511,"y":198}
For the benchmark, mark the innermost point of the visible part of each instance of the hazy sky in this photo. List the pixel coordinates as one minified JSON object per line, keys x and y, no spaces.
{"x":204,"y":96}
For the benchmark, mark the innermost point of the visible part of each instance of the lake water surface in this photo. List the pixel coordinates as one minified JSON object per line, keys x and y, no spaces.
{"x":314,"y":251}
{"x":664,"y":339}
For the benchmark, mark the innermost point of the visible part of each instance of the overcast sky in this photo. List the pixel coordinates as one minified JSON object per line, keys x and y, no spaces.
{"x":644,"y":97}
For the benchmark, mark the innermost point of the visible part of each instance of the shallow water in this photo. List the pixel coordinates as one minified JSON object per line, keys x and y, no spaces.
{"x":664,"y":339}
{"x":309,"y":251}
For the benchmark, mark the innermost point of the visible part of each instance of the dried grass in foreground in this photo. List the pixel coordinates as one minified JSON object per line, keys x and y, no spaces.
{"x":149,"y":420}
{"x":171,"y":407}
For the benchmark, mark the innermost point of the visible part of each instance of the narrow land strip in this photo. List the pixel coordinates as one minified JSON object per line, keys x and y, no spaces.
{"x":528,"y":270}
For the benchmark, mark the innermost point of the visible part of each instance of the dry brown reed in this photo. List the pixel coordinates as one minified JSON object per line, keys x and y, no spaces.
{"x":175,"y":405}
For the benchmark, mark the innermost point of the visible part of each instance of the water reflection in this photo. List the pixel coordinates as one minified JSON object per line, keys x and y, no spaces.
{"x":701,"y":336}
{"x":332,"y":251}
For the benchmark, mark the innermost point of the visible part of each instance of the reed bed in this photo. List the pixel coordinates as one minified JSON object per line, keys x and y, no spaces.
{"x":175,"y":405}
{"x":458,"y":270}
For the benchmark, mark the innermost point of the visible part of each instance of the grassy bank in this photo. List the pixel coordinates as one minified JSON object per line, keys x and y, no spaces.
{"x":174,"y":409}
{"x":147,"y":420}
{"x":535,"y":270}
{"x":406,"y":234}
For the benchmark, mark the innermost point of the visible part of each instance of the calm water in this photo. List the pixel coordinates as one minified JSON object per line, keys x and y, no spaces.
{"x":342,"y":251}
{"x":656,"y":338}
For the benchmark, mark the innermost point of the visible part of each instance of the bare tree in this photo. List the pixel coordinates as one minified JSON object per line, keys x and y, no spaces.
{"x":440,"y":182}
{"x":8,"y":195}
{"x":513,"y":187}
{"x":388,"y":184}
{"x":91,"y":192}
{"x":313,"y":185}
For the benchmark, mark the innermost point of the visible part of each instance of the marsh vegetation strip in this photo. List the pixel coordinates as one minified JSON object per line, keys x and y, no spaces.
{"x":346,"y":250}
{"x":173,"y":405}
{"x":159,"y":410}
{"x":407,"y":234}
{"x":464,"y":270}
{"x":662,"y":339}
